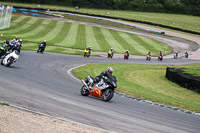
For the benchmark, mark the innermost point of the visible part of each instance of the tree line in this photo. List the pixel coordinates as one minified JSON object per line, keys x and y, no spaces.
{"x":190,"y":7}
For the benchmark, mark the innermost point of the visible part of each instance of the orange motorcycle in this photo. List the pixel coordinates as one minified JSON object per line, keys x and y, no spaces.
{"x":104,"y":89}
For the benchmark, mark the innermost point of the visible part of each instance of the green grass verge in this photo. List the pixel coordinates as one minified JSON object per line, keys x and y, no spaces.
{"x":148,"y":82}
{"x":181,"y":21}
{"x":4,"y":104}
{"x":78,"y":36}
{"x":195,"y":72}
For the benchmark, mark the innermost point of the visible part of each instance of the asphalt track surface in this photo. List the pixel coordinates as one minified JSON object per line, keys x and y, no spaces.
{"x":41,"y":83}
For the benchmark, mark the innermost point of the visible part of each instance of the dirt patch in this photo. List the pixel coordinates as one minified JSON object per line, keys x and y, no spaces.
{"x":14,"y":120}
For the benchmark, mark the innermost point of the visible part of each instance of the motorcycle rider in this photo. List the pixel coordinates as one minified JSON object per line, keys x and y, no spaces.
{"x":110,"y":52}
{"x":186,"y":54}
{"x":127,"y":52}
{"x":11,"y":46}
{"x":107,"y":73}
{"x":149,"y":54}
{"x":15,"y":39}
{"x":160,"y":54}
{"x":44,"y":44}
{"x":89,"y":48}
{"x":176,"y":54}
{"x":19,"y":45}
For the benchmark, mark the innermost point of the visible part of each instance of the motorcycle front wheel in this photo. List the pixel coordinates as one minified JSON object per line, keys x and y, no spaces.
{"x":107,"y":95}
{"x":9,"y":62}
{"x":84,"y":91}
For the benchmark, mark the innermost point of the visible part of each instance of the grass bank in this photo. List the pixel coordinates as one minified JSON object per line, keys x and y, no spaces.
{"x":180,"y":21}
{"x":195,"y":72}
{"x":148,"y":82}
{"x":78,"y":36}
{"x":4,"y":104}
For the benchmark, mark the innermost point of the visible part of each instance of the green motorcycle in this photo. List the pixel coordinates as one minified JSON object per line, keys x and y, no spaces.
{"x":3,"y":49}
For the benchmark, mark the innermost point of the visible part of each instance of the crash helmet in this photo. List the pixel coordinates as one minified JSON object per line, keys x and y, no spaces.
{"x":110,"y":70}
{"x":16,"y":38}
{"x":111,"y":49}
{"x":20,"y":41}
{"x":7,"y":41}
{"x":44,"y":40}
{"x":127,"y":50}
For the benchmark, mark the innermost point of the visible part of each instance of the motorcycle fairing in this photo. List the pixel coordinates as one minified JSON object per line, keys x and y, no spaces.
{"x":96,"y":92}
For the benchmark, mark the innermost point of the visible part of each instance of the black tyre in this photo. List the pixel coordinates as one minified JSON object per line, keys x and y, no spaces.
{"x":84,"y":91}
{"x":1,"y":62}
{"x":107,"y":95}
{"x":84,"y":55}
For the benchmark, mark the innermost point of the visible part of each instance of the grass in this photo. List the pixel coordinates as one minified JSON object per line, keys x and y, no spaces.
{"x":4,"y":104}
{"x":148,"y":82}
{"x":181,"y":21}
{"x":54,"y":49}
{"x":78,"y":36}
{"x":195,"y":72}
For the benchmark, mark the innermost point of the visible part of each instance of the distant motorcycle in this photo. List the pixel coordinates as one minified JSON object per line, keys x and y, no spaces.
{"x":86,"y":53}
{"x":148,"y":57}
{"x":41,"y":48}
{"x":10,"y":58}
{"x":126,"y":56}
{"x":186,"y":55}
{"x":160,"y":58}
{"x":103,"y":89}
{"x":110,"y":54}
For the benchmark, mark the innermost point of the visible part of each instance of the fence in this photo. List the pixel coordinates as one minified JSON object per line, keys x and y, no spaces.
{"x":5,"y":16}
{"x":185,"y":80}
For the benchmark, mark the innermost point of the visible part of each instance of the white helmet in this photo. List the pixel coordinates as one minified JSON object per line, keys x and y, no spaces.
{"x":44,"y":40}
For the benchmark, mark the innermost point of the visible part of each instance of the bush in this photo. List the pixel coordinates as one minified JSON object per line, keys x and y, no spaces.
{"x":188,"y":81}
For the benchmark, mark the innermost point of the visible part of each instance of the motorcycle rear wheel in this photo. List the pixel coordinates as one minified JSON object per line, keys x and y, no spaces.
{"x":84,"y":91}
{"x":107,"y":95}
{"x":1,"y":62}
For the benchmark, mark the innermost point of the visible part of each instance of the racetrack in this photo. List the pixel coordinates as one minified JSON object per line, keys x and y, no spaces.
{"x":41,"y":83}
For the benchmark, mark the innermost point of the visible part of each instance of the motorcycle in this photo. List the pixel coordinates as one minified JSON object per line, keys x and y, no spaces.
{"x":110,"y":54}
{"x":148,"y":57}
{"x":41,"y":48}
{"x":104,"y":89}
{"x":126,"y":56}
{"x":86,"y":53}
{"x":175,"y":56}
{"x":186,"y":55}
{"x":18,"y":47}
{"x":160,"y":58}
{"x":3,"y":49}
{"x":10,"y":58}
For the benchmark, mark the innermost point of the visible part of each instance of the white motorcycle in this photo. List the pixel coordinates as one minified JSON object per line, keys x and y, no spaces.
{"x":10,"y":58}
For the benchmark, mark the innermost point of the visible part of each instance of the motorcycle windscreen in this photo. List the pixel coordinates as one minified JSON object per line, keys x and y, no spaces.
{"x":96,"y":93}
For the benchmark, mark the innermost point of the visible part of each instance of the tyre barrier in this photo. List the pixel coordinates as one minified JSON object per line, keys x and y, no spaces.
{"x":185,"y":80}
